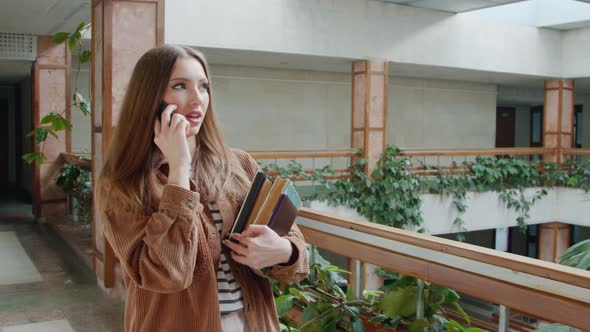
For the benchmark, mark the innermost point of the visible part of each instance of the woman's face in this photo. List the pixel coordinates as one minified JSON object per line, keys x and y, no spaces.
{"x":188,"y":89}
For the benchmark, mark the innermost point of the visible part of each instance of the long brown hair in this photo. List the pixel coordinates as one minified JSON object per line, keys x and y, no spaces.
{"x":128,"y":174}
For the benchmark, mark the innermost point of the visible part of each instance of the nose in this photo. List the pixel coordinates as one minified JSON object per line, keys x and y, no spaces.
{"x":196,"y":96}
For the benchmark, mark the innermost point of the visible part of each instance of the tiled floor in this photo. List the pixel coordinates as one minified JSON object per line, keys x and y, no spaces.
{"x":45,"y":287}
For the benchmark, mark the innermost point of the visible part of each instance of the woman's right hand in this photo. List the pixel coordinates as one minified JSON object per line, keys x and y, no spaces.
{"x":170,"y":136}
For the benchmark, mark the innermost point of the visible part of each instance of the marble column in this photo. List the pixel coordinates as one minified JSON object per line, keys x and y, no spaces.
{"x":122,"y":31}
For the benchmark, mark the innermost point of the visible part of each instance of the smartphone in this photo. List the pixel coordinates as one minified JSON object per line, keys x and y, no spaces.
{"x":161,"y":108}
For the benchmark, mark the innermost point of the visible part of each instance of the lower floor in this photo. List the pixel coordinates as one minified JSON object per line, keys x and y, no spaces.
{"x":43,"y":285}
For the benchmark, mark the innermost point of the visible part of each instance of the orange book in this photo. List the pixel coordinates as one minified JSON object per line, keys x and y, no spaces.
{"x":264,"y":190}
{"x":271,"y":201}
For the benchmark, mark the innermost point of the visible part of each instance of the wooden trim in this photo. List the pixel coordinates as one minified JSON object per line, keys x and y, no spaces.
{"x":160,"y":23}
{"x":385,"y":101}
{"x":481,"y":153}
{"x":93,"y":128}
{"x":540,"y":304}
{"x":299,"y":150}
{"x":52,"y":201}
{"x":559,"y":119}
{"x":352,"y":105}
{"x":36,"y":121}
{"x":98,"y":255}
{"x":68,"y":97}
{"x":107,"y":73}
{"x":489,"y":256}
{"x":301,"y":155}
{"x":107,"y":122}
{"x":555,"y":233}
{"x":366,"y":114}
{"x":54,"y":67}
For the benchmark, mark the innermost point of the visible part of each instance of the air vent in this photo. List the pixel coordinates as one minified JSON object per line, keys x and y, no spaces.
{"x":18,"y":46}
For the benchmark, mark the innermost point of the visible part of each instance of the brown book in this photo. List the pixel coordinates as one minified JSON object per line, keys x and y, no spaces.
{"x":271,"y":201}
{"x":262,"y":194}
{"x":283,"y":216}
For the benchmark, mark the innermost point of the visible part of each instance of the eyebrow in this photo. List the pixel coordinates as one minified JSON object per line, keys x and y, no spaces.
{"x":187,"y":79}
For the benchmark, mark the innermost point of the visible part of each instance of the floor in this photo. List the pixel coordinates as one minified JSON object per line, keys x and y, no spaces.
{"x":43,"y":285}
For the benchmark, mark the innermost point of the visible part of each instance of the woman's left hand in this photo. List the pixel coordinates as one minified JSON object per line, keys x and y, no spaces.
{"x":259,"y":246}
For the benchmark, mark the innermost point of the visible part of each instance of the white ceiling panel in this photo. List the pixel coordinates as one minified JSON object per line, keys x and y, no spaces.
{"x":42,"y":17}
{"x":453,"y":6}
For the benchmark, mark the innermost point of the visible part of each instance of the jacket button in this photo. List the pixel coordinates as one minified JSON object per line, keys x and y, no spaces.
{"x":191,"y":204}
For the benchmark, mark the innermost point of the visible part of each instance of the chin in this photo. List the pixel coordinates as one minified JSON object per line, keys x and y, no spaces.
{"x":194,"y":131}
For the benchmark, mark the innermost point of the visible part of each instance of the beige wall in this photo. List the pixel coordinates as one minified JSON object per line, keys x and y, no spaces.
{"x":268,"y":108}
{"x":441,"y":114}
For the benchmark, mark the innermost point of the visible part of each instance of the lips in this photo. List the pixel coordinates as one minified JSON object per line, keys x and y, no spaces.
{"x":194,"y":117}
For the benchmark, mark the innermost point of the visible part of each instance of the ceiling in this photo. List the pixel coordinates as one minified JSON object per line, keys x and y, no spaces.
{"x":43,"y":17}
{"x":342,"y":65}
{"x":37,"y":17}
{"x":453,"y":6}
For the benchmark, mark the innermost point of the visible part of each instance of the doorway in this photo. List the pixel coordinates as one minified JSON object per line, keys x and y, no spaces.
{"x":505,"y":125}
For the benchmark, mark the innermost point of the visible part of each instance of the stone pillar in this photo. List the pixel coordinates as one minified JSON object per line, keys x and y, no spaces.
{"x":554,"y":239}
{"x":370,"y":80}
{"x":51,"y":93}
{"x":558,"y":127}
{"x":122,"y":31}
{"x":558,"y":117}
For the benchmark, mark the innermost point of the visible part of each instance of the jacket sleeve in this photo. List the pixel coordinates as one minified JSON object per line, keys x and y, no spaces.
{"x":158,"y":252}
{"x":298,"y":267}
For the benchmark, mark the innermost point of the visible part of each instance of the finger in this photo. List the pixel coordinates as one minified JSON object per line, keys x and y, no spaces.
{"x":254,"y":230}
{"x":166,"y":115}
{"x":239,"y":258}
{"x":236,"y":247}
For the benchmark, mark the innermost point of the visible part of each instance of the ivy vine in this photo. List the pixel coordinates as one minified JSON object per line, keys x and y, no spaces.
{"x":391,"y":195}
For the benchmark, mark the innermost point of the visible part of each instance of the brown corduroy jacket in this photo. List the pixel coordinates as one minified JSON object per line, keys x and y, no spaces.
{"x":170,"y":258}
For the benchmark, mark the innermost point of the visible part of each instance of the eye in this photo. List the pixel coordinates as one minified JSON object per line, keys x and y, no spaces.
{"x":178,"y":86}
{"x":204,"y":87}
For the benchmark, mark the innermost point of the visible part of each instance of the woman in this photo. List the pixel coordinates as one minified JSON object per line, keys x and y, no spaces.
{"x":169,"y":192}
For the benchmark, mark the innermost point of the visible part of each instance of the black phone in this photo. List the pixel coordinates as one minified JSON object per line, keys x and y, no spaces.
{"x":161,"y":108}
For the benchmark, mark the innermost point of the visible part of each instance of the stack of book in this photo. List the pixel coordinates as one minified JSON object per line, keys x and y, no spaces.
{"x":274,"y":204}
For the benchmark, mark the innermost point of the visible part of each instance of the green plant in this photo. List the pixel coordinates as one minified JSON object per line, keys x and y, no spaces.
{"x":577,"y":255}
{"x":52,"y":123}
{"x":77,"y":183}
{"x":389,"y":196}
{"x":326,"y":303}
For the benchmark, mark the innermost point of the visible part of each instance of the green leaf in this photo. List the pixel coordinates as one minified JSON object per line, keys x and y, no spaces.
{"x":82,"y":103}
{"x":72,"y":43}
{"x":301,"y":295}
{"x":80,"y":26}
{"x":334,"y":268}
{"x":462,"y":312}
{"x":41,"y":135}
{"x":60,"y":37}
{"x":84,"y":56}
{"x":399,"y":302}
{"x":284,"y":304}
{"x":34,"y":157}
{"x":357,"y":325}
{"x":420,"y":325}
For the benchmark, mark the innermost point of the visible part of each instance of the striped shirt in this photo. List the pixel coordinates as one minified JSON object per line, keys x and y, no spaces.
{"x":228,"y":289}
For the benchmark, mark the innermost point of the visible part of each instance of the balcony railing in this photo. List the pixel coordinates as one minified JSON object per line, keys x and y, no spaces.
{"x":549,"y":291}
